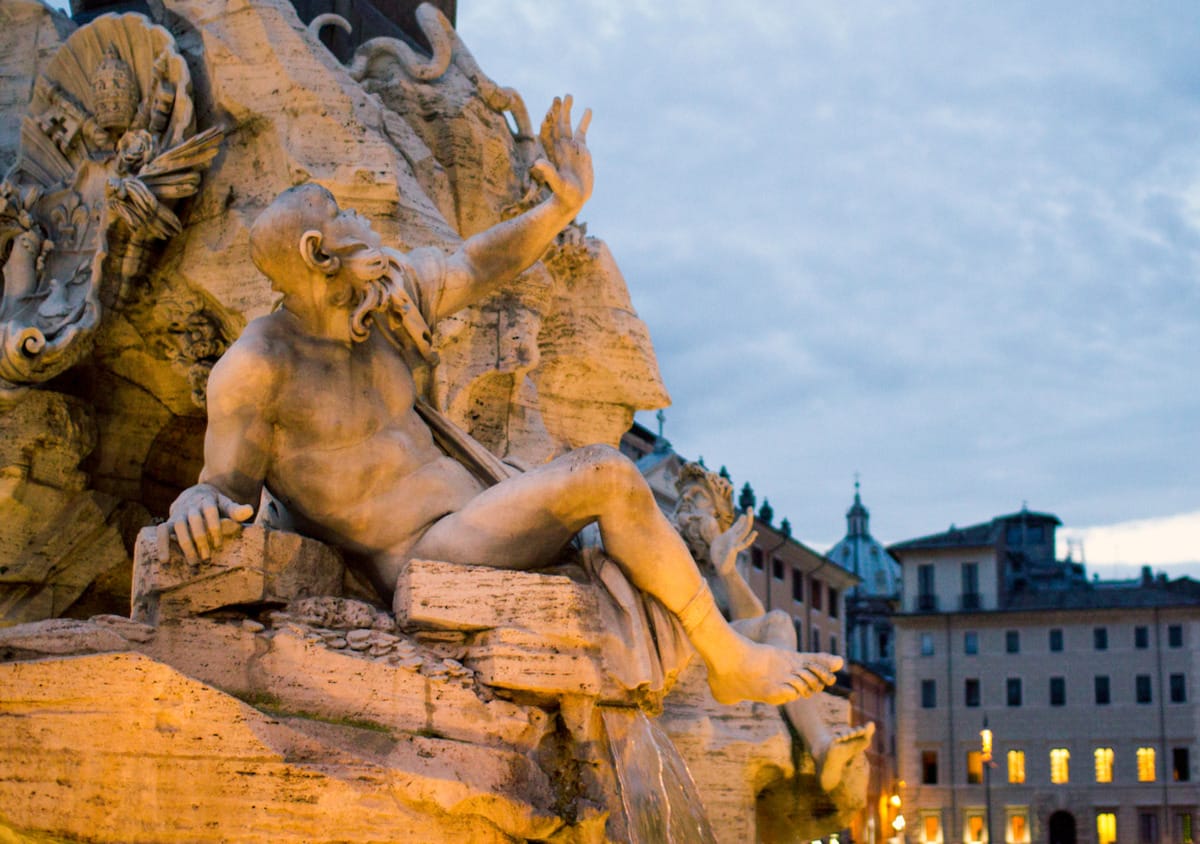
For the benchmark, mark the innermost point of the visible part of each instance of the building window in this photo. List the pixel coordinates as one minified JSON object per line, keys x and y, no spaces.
{"x":1175,"y":636}
{"x":1181,"y":765}
{"x":971,"y":692}
{"x":1183,"y":828}
{"x":931,"y":829}
{"x":1106,"y":828}
{"x":1056,"y":639}
{"x":1103,"y":695}
{"x":974,"y":767}
{"x":1178,"y":688}
{"x":1142,"y":689}
{"x":974,"y":829}
{"x":799,"y":625}
{"x":971,"y":642}
{"x":929,"y":694}
{"x":1145,"y":764}
{"x":815,"y":594}
{"x":1147,"y":827}
{"x":1014,"y":691}
{"x":833,"y":602}
{"x":1035,"y":534}
{"x":777,"y":568}
{"x":815,"y":635}
{"x":1012,"y":642}
{"x":1104,"y":764}
{"x":797,"y":586}
{"x":926,"y":595}
{"x":970,"y":586}
{"x":1141,"y":637}
{"x":885,"y":644}
{"x":1016,"y":766}
{"x":833,"y":645}
{"x":1058,"y":691}
{"x":926,"y":644}
{"x":756,"y":558}
{"x":1100,"y":638}
{"x":1012,"y":534}
{"x":929,"y":771}
{"x":1018,"y":826}
{"x":1060,"y":766}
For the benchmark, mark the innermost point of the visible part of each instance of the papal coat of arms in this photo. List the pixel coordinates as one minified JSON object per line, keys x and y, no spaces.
{"x":108,"y":147}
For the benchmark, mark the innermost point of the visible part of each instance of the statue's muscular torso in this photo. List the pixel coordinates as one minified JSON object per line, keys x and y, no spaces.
{"x":348,"y":456}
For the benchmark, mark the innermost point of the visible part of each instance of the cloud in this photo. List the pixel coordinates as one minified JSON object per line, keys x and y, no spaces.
{"x":1170,"y":541}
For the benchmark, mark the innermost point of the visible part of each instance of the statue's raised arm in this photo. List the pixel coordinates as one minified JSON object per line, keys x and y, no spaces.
{"x":496,"y":255}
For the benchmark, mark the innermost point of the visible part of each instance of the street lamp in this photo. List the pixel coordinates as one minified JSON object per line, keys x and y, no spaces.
{"x":985,"y":748}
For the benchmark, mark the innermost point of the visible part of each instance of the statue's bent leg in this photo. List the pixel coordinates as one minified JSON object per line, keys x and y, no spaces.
{"x":524,"y":521}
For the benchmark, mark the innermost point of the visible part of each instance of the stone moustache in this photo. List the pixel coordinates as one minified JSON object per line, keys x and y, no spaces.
{"x":317,"y":404}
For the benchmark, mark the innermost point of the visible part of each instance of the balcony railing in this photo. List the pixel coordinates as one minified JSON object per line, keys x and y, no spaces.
{"x":970,"y":601}
{"x":927,"y":603}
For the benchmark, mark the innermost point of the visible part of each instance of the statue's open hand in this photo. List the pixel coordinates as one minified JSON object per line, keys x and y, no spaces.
{"x":566,"y":168}
{"x":200,"y":517}
{"x":738,"y":537}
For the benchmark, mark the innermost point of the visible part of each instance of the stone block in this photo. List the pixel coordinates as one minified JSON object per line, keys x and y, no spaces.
{"x":510,"y":658}
{"x":261,"y":566}
{"x":452,"y":597}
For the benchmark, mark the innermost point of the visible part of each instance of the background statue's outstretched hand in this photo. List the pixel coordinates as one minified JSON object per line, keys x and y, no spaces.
{"x":738,"y":537}
{"x":566,"y":168}
{"x":200,"y":519}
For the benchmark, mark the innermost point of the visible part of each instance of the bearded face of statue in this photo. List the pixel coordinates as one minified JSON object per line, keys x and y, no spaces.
{"x":696,"y":519}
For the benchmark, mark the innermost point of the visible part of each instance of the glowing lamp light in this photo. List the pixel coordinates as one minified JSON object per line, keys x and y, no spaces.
{"x":895,"y":800}
{"x":898,"y":823}
{"x":985,"y":744}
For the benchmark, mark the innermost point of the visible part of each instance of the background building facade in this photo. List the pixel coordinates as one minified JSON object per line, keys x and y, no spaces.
{"x":1088,"y":688}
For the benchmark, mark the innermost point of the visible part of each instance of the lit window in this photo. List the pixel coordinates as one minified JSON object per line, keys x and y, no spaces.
{"x":1060,"y":759}
{"x":1104,"y":764}
{"x":1183,"y":828}
{"x":1106,"y":828}
{"x":1016,"y":766}
{"x":1146,"y":766}
{"x":1018,"y":828}
{"x":974,"y":767}
{"x":931,"y":829}
{"x":975,"y":829}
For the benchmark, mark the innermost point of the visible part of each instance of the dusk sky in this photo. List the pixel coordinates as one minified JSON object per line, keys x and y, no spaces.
{"x":953,"y":247}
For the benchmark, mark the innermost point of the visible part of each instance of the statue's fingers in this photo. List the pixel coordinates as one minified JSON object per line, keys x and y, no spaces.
{"x":162,"y":541}
{"x":212,"y":522}
{"x":546,"y":174}
{"x":237,"y":512}
{"x":584,"y":123}
{"x":197,"y":528}
{"x":185,"y":542}
{"x":564,"y":118}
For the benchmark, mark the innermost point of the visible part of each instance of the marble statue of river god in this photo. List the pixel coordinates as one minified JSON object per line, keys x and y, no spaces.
{"x":317,"y":401}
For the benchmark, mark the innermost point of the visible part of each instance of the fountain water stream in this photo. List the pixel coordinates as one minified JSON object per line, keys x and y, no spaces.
{"x":657,"y":793}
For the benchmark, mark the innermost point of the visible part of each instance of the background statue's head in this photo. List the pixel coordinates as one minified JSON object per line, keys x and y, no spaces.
{"x":304,"y":234}
{"x":114,"y":92}
{"x":705,"y":507}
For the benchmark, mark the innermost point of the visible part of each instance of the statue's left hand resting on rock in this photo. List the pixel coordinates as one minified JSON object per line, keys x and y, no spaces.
{"x":317,"y":403}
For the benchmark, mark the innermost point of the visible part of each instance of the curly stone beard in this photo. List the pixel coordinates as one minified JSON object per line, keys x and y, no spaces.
{"x":365,"y":301}
{"x":693,"y":537}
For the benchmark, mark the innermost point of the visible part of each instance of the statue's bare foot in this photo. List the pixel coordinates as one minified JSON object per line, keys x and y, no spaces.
{"x":746,"y":670}
{"x":844,"y":745}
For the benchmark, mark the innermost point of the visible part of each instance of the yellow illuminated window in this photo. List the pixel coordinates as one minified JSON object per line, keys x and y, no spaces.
{"x":1106,"y":828}
{"x":1145,"y":757}
{"x":975,"y":829}
{"x":932,"y":828}
{"x":974,"y":767}
{"x":1104,"y":764}
{"x":1016,"y":766}
{"x":1018,"y":829}
{"x":1060,"y":759}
